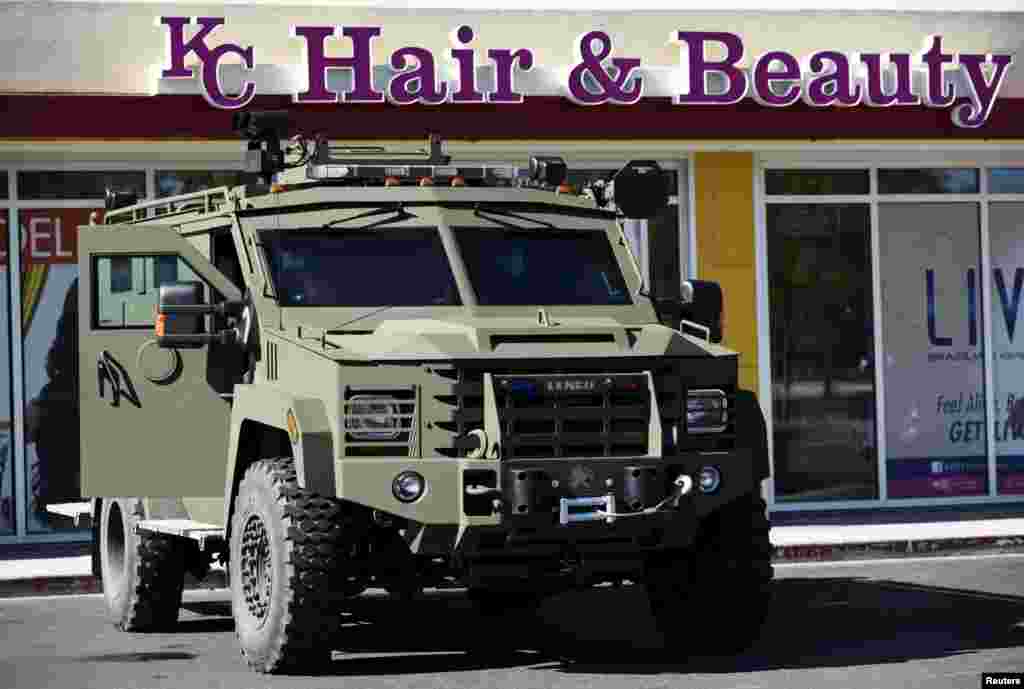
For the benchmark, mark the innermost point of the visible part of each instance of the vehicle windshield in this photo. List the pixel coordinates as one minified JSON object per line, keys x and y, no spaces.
{"x":541,"y":267}
{"x":382,"y":267}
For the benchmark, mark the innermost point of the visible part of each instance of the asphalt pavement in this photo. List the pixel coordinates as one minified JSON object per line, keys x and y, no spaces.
{"x":910,"y":622}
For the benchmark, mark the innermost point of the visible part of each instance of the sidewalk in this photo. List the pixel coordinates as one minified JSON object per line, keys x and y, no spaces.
{"x":30,"y":576}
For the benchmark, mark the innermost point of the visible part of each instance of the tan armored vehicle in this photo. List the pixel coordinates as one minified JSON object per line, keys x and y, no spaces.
{"x":394,"y":371}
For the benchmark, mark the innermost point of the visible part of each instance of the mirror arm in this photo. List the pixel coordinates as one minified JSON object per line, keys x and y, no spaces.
{"x":229,"y":307}
{"x":224,"y":337}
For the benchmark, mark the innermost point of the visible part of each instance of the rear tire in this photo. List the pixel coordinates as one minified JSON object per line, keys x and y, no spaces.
{"x":289,"y":549}
{"x":714,"y":597}
{"x":143,"y":574}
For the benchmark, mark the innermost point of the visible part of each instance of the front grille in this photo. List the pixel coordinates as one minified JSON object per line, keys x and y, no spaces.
{"x":606,"y":423}
{"x":573,"y":415}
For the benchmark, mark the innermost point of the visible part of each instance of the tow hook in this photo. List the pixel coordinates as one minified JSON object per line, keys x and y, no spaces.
{"x":683,"y":485}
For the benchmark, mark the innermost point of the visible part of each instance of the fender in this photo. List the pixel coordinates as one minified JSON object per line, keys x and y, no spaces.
{"x":312,"y":450}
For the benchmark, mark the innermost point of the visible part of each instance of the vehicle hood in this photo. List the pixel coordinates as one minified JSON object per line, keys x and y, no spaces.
{"x":515,"y":338}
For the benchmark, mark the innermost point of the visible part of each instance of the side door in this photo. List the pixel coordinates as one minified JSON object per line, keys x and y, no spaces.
{"x":154,"y":422}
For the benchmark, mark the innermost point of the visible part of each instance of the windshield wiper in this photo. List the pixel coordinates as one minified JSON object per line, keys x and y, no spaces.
{"x":480,"y":211}
{"x":359,"y":318}
{"x":399,"y":209}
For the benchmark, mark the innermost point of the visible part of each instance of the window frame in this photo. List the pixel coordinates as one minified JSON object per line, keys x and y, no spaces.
{"x":94,"y":296}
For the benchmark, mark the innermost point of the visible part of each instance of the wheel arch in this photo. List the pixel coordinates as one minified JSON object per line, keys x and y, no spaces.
{"x":259,"y":430}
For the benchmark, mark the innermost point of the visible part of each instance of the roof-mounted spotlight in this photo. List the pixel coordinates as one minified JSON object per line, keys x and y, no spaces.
{"x":641,"y":190}
{"x":264,"y":130}
{"x":549,"y":170}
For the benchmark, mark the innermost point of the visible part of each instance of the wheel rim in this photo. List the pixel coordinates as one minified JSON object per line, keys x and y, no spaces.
{"x":255,"y":568}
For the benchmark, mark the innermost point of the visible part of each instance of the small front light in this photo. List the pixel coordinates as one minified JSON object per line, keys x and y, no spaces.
{"x":710,"y":479}
{"x":707,"y":411}
{"x":408,"y":486}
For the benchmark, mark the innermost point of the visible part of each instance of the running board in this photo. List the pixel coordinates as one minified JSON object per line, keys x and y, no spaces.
{"x":204,"y":534}
{"x":79,"y":512}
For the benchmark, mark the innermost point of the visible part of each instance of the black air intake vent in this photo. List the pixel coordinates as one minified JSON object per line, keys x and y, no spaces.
{"x":600,"y":338}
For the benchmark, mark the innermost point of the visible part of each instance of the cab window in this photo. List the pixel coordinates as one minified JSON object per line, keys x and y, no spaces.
{"x":126,"y":288}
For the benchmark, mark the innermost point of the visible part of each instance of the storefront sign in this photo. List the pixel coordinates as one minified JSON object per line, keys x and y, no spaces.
{"x":822,"y":79}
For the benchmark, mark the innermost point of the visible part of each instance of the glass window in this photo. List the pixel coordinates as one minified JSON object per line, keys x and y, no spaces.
{"x":395,"y":267}
{"x":781,"y":182}
{"x":1006,"y":180}
{"x":58,"y":184}
{"x":165,"y":270}
{"x":822,"y":345}
{"x":928,"y":181}
{"x":173,"y":182}
{"x":3,"y":184}
{"x":120,"y":274}
{"x":50,"y":375}
{"x":135,"y":306}
{"x":934,"y":358}
{"x":541,"y":267}
{"x":1006,"y":233}
{"x":7,"y":517}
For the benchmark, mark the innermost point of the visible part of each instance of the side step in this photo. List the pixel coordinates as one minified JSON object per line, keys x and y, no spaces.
{"x":79,"y":512}
{"x":208,"y":535}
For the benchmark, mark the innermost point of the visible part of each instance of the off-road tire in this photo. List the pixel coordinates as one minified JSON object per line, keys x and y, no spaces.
{"x":714,"y":598}
{"x":143,"y":574}
{"x":287,"y":620}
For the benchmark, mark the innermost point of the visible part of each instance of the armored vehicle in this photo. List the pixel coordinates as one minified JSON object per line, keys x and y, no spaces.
{"x":389,"y":370}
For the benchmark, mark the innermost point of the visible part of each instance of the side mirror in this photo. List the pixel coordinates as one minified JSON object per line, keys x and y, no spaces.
{"x":704,"y":307}
{"x":640,"y":189}
{"x":180,"y":313}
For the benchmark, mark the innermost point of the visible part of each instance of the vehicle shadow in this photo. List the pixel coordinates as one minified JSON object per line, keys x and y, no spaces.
{"x":814,"y":623}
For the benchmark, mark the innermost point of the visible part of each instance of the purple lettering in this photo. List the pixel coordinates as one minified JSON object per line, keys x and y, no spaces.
{"x":973,"y":111}
{"x":179,"y":49}
{"x":504,"y":63}
{"x":211,"y":78}
{"x":832,"y":87}
{"x":318,"y":64}
{"x":418,"y":85}
{"x":466,"y":92}
{"x":875,"y":89}
{"x":763,"y":79}
{"x":697,"y":68}
{"x":938,"y":95}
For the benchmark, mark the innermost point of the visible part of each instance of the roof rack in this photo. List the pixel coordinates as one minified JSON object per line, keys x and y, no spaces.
{"x":206,"y":201}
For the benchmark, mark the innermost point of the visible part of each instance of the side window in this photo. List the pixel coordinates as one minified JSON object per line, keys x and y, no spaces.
{"x":120,"y":302}
{"x":120,"y":274}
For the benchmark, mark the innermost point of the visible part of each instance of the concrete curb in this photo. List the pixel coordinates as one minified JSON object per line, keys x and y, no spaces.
{"x":825,"y":552}
{"x":68,"y":585}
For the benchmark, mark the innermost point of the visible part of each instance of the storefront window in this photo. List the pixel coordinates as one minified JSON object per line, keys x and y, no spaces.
{"x":1006,"y":233}
{"x":49,"y":289}
{"x":1006,"y":180}
{"x":928,"y":181}
{"x":934,"y":357}
{"x":822,"y":343}
{"x":49,"y":185}
{"x":3,"y":185}
{"x":173,"y":182}
{"x":7,"y":517}
{"x":783,"y":182}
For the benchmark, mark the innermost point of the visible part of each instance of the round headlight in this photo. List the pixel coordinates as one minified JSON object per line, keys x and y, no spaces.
{"x":710,"y":479}
{"x":408,"y":486}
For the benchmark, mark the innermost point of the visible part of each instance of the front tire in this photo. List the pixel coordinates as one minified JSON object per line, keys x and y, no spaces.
{"x":288,"y":551}
{"x":714,"y":597}
{"x":143,"y":574}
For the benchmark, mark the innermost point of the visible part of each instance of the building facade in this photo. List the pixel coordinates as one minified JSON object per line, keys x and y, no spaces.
{"x":871,"y":257}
